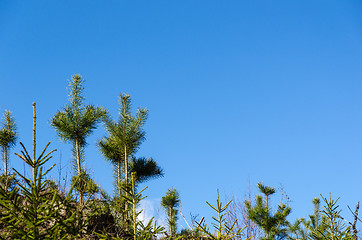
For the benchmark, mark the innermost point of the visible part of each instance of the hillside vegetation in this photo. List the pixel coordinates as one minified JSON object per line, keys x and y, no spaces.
{"x":36,"y":207}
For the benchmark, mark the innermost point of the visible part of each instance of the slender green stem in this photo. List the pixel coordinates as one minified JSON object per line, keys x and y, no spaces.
{"x":5,"y":160}
{"x":34,"y":143}
{"x":78,"y":156}
{"x":119,"y":178}
{"x":134,"y":218}
{"x":125,"y":163}
{"x":77,"y":150}
{"x":34,"y":170}
{"x":6,"y":167}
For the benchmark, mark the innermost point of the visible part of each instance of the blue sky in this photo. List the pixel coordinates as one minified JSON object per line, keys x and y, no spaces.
{"x":237,"y":91}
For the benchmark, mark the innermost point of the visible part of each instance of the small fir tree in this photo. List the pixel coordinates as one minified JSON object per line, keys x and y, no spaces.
{"x":34,"y":210}
{"x":138,"y":229}
{"x":334,"y":227}
{"x":224,"y":231}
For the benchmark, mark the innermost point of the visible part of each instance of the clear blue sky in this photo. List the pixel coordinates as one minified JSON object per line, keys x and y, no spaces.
{"x":237,"y":91}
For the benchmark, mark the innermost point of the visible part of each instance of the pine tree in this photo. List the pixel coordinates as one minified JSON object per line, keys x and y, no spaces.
{"x":170,"y":202}
{"x":8,"y":137}
{"x":273,"y":224}
{"x":74,"y":124}
{"x":119,"y":147}
{"x":124,"y":138}
{"x":315,"y":226}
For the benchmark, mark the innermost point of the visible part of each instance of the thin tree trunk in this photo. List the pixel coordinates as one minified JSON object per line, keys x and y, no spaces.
{"x":5,"y":161}
{"x":126,"y":179}
{"x":134,"y":221}
{"x":267,"y":201}
{"x":34,"y":142}
{"x":119,"y":178}
{"x":78,"y":156}
{"x":171,"y":222}
{"x":6,"y":167}
{"x":354,"y":236}
{"x":81,"y":193}
{"x":35,"y":219}
{"x":125,"y":164}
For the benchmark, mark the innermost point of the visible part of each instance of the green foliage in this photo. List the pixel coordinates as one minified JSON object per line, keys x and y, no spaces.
{"x":137,"y":229}
{"x":145,"y":169}
{"x":119,"y":146}
{"x":85,"y":184}
{"x":194,"y":233}
{"x":223,"y":231}
{"x":133,"y":198}
{"x":295,"y":230}
{"x":334,"y":227}
{"x":124,"y":137}
{"x":266,"y":190}
{"x":36,"y":212}
{"x":273,"y":224}
{"x":8,"y":137}
{"x":8,"y":133}
{"x":317,"y":222}
{"x":170,"y":202}
{"x":8,"y":181}
{"x":76,"y":122}
{"x":140,"y":231}
{"x":312,"y":228}
{"x":35,"y":208}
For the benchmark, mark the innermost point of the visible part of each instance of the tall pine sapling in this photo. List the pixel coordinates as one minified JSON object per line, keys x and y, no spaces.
{"x":124,"y":138}
{"x":8,"y":138}
{"x":170,"y":202}
{"x":74,"y":124}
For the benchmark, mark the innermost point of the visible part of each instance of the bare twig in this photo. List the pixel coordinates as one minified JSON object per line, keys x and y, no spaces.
{"x":184,"y":217}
